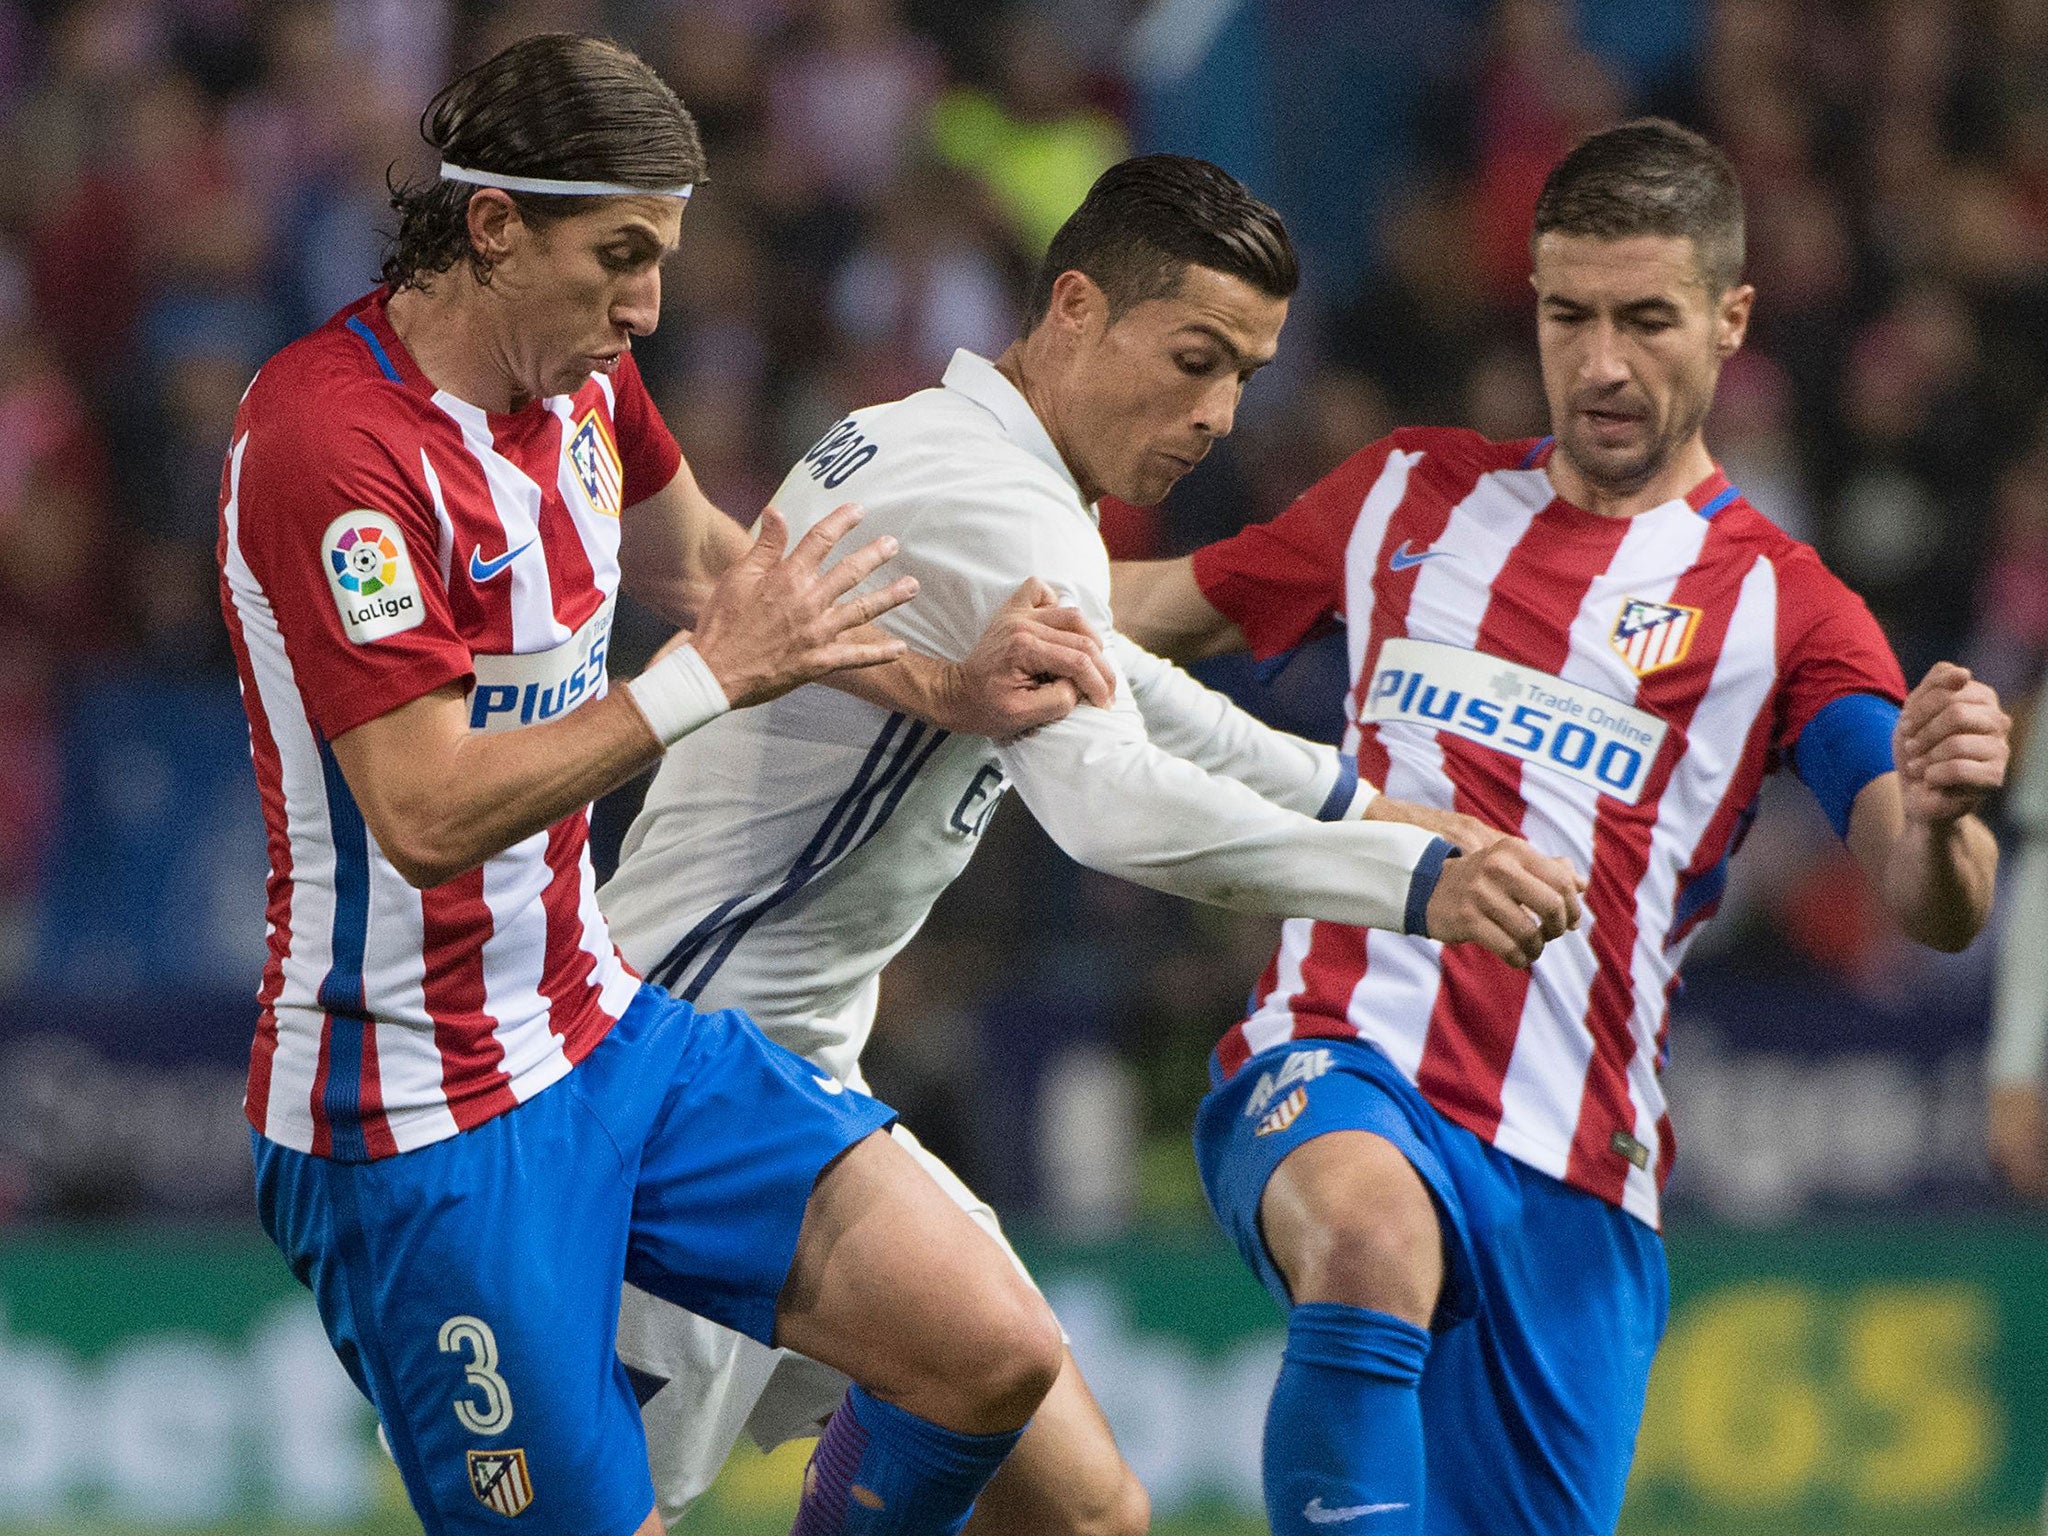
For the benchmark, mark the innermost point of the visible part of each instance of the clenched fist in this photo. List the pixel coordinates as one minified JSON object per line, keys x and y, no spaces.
{"x":1507,"y":898}
{"x":1951,"y":745}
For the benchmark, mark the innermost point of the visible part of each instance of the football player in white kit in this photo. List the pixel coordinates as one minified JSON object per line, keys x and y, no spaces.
{"x":786,"y":853}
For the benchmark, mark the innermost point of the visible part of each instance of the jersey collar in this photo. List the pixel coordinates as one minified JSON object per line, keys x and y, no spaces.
{"x":981,"y":381}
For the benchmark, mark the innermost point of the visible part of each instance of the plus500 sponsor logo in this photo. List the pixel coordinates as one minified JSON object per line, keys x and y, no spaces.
{"x":512,"y":691}
{"x":1586,"y":735}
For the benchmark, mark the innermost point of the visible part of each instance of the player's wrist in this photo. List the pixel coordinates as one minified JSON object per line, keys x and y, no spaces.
{"x":678,"y":694}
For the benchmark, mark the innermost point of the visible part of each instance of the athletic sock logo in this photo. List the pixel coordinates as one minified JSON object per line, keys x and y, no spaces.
{"x":1316,"y":1514}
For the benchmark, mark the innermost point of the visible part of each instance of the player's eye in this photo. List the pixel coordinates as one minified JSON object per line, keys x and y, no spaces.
{"x":1195,"y":364}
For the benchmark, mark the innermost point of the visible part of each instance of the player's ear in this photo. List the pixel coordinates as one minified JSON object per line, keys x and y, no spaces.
{"x":1078,"y":304}
{"x":1731,"y":319}
{"x":493,"y":218}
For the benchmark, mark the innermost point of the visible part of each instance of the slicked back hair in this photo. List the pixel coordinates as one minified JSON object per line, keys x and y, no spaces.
{"x":560,"y":106}
{"x":1148,"y":219}
{"x":1649,"y":177}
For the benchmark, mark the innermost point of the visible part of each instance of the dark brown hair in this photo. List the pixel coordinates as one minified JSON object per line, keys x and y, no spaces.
{"x":1649,"y":177}
{"x":558,"y":105}
{"x":1148,"y":219}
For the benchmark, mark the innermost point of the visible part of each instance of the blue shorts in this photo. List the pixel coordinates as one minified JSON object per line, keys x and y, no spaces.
{"x":1553,"y":1303}
{"x":471,"y":1286}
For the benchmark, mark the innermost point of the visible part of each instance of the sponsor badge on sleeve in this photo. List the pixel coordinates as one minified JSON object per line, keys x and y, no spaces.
{"x":371,"y":575}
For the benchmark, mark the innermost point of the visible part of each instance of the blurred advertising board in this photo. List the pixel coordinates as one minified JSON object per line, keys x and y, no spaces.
{"x":1851,"y":1382}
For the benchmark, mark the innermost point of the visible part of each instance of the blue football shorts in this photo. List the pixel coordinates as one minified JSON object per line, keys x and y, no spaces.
{"x":1553,"y":1304}
{"x":471,"y":1286}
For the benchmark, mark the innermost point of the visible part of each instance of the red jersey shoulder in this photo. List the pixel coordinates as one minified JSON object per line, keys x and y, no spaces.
{"x":1455,"y":448}
{"x":1464,"y":448}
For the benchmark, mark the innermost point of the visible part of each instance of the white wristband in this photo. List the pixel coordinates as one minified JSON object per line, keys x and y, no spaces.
{"x":677,"y":694}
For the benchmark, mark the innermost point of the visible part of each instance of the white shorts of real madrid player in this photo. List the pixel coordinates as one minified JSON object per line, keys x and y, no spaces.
{"x":787,"y":852}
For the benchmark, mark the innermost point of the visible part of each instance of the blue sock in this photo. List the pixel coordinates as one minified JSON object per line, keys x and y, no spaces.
{"x":1344,"y":1430}
{"x":881,"y":1471}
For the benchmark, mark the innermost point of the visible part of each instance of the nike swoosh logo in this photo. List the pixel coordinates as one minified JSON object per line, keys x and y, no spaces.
{"x":1315,"y":1514}
{"x":1404,"y":557}
{"x":481,"y":569}
{"x":831,"y":1085}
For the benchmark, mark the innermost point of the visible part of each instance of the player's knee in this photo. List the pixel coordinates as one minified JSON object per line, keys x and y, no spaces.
{"x":1389,"y":1259}
{"x":1126,"y":1511}
{"x":1018,"y":1355}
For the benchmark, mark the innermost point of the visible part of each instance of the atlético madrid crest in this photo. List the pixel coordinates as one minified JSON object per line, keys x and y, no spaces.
{"x":1283,"y":1114}
{"x":1651,"y":636}
{"x":595,"y":459}
{"x":499,"y":1480}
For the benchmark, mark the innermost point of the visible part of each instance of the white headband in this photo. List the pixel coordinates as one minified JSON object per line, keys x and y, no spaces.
{"x":557,"y":188}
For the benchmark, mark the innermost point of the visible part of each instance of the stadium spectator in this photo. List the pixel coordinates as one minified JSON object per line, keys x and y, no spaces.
{"x":1036,"y":141}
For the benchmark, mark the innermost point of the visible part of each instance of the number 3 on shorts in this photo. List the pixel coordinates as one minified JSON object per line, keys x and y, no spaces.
{"x":482,"y":1371}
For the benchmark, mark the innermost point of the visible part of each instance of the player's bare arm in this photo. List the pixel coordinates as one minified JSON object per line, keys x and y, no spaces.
{"x":1036,"y":660}
{"x":1159,"y":604}
{"x":441,"y":798}
{"x":1469,"y":833}
{"x":1915,"y":831}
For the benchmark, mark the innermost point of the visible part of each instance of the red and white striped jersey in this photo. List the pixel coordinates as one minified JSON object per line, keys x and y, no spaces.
{"x":1612,"y":689}
{"x":381,"y":539}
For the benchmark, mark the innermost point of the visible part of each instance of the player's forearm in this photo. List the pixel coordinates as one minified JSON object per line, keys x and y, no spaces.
{"x":1158,"y":604}
{"x":486,"y":791}
{"x":1201,"y":726}
{"x":1129,"y":810}
{"x":1938,"y":881}
{"x":2019,"y":1017}
{"x":1467,"y":832}
{"x":922,"y":687}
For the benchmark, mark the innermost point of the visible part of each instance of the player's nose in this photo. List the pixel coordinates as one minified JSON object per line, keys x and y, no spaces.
{"x":1602,"y":362}
{"x":1217,"y":412}
{"x":637,"y":305}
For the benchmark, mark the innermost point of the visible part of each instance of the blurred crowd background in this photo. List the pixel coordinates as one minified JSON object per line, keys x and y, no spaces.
{"x":191,"y":183}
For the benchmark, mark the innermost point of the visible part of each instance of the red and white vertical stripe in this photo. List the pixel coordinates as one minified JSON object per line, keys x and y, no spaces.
{"x":1557,"y":1065}
{"x":479,"y":992}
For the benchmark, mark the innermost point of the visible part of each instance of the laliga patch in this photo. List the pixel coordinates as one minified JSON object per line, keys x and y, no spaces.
{"x":499,"y":1480}
{"x":1283,"y":1114}
{"x":595,"y":459}
{"x":371,"y":576}
{"x":1651,"y":636}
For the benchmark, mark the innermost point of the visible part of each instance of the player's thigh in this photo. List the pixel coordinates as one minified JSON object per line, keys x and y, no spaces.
{"x":896,"y":1286}
{"x":1347,"y":1219}
{"x":697,"y":1383}
{"x":472,"y":1286}
{"x":1530,"y":1409}
{"x":1066,"y":1476}
{"x":1323,"y":1165}
{"x":729,"y":1165}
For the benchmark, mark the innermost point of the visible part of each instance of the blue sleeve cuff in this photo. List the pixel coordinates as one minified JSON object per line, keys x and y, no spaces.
{"x":1843,"y":748}
{"x":1422,"y":885}
{"x":1343,"y":791}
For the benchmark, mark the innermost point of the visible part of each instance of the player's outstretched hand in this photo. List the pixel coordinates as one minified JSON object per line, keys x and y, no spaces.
{"x":1951,"y":745}
{"x":776,"y":619}
{"x":2017,"y":1122}
{"x":1506,"y":898}
{"x":1033,"y":663}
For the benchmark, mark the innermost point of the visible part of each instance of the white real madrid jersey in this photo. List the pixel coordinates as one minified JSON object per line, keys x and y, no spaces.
{"x":786,"y":852}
